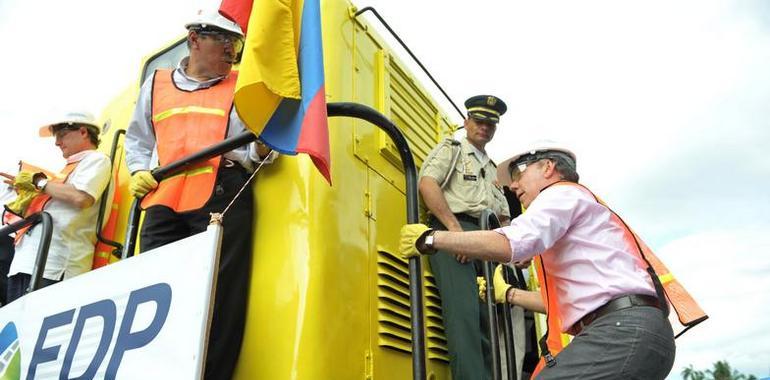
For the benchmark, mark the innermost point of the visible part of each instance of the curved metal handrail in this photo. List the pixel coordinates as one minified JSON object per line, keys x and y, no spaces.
{"x":103,"y":200}
{"x":173,"y":168}
{"x":487,"y":221}
{"x":46,"y":222}
{"x":371,"y":115}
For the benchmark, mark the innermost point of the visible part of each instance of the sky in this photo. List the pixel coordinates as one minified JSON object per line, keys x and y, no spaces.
{"x":664,"y":103}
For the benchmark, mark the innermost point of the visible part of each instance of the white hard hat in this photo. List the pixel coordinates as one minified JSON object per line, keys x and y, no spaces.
{"x":72,"y":117}
{"x":205,"y":19}
{"x":533,"y":149}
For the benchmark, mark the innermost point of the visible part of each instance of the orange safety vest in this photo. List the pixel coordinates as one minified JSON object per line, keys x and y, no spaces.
{"x":687,"y":310}
{"x":103,"y":251}
{"x":186,"y":122}
{"x":39,"y":201}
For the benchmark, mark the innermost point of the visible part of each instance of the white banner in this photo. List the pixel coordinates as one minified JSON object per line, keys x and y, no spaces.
{"x":141,"y":318}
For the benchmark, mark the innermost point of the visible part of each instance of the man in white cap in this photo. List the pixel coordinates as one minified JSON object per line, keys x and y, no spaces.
{"x":180,"y":112}
{"x":597,"y":278}
{"x":71,"y":198}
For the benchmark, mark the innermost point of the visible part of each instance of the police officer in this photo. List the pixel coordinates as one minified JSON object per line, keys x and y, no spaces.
{"x":457,"y":182}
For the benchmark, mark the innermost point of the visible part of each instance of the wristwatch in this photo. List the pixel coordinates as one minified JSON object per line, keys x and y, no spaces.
{"x":429,"y":239}
{"x":427,"y":243}
{"x":40,"y":184}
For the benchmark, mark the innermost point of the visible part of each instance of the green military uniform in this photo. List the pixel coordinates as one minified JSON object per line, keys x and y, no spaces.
{"x":468,"y":187}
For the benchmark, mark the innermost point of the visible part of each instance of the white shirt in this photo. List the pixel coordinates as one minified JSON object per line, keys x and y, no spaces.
{"x":74,"y":230}
{"x":589,"y":258}
{"x":140,"y":144}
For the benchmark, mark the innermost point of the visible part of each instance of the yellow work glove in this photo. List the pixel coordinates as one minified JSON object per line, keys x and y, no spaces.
{"x":482,"y":283}
{"x":501,"y":287}
{"x":24,"y":182}
{"x":142,"y":182}
{"x":410,"y":237}
{"x":19,"y":205}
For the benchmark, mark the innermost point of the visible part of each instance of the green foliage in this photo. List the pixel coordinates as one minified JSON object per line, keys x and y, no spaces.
{"x":721,"y":371}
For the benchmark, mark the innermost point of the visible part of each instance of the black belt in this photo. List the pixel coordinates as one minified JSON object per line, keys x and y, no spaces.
{"x":616,"y":304}
{"x":460,"y":217}
{"x":467,"y":218}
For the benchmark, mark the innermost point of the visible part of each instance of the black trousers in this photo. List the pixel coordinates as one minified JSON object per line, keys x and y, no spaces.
{"x":162,"y":226}
{"x":19,"y":283}
{"x":7,"y":250}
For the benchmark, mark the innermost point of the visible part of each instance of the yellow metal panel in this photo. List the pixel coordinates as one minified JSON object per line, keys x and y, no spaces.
{"x":391,"y":355}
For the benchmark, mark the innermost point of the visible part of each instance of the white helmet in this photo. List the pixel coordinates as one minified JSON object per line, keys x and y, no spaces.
{"x":532,"y":149}
{"x":72,"y":117}
{"x":205,"y":19}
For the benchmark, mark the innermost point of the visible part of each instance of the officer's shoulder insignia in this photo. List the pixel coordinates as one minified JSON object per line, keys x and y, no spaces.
{"x":450,"y":141}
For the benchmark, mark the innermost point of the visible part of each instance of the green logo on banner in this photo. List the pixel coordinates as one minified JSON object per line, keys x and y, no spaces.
{"x":10,"y":354}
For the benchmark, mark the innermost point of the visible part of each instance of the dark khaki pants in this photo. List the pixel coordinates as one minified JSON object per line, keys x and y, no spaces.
{"x":465,"y":317}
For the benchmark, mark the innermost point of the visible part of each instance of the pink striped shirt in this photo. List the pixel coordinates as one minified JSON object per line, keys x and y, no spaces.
{"x":587,"y":256}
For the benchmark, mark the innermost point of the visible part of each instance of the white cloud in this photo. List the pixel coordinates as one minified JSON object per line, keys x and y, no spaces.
{"x":726,"y":271}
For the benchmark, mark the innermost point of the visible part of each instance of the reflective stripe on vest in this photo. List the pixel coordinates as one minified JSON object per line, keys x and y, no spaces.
{"x":687,"y":310}
{"x":39,"y":201}
{"x":186,"y":122}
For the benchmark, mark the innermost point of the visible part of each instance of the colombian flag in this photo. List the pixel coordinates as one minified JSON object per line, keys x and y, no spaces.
{"x":280,"y":91}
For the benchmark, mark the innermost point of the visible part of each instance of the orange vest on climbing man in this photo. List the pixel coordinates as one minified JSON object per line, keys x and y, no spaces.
{"x":186,"y":122}
{"x":687,"y":311}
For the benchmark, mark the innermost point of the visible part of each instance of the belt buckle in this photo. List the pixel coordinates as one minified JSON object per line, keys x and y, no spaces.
{"x":587,"y":319}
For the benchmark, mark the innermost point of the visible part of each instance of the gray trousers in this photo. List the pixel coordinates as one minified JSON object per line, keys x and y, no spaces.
{"x":633,"y":343}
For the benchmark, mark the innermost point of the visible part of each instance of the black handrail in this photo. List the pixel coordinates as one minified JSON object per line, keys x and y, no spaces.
{"x":166,"y":171}
{"x":425,"y":70}
{"x":487,"y":221}
{"x":134,"y":215}
{"x":205,"y":154}
{"x":369,"y":114}
{"x":19,"y":224}
{"x":103,"y":200}
{"x":46,"y":222}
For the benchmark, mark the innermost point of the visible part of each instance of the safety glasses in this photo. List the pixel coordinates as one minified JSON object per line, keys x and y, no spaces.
{"x":62,"y":130}
{"x":517,"y":170}
{"x":224,"y":38}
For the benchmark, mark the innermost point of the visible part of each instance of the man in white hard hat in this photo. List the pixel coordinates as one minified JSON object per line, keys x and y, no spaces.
{"x":180,"y":112}
{"x":71,"y":198}
{"x":597,"y":283}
